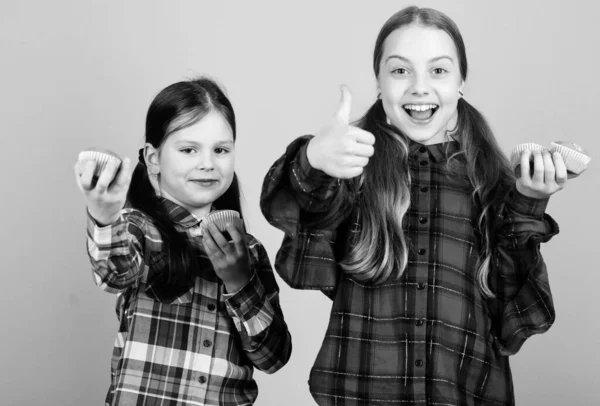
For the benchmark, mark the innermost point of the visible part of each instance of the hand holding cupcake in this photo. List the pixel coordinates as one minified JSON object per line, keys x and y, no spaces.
{"x":548,"y":170}
{"x":575,"y":157}
{"x":104,"y":179}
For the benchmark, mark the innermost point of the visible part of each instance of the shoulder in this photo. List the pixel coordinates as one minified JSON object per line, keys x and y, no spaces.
{"x":138,"y":221}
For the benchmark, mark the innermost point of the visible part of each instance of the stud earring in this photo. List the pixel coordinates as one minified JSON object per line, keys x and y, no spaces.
{"x":460,"y":93}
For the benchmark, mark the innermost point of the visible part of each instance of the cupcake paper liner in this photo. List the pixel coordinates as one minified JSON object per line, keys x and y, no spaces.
{"x":220,"y":218}
{"x":102,"y":157}
{"x":515,"y":155}
{"x":575,"y":161}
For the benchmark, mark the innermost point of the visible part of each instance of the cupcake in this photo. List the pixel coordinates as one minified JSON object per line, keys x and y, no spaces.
{"x":101,"y":156}
{"x":220,"y":218}
{"x":515,"y":156}
{"x":575,"y":157}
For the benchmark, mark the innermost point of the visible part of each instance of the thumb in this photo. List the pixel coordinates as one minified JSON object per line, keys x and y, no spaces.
{"x":343,"y":112}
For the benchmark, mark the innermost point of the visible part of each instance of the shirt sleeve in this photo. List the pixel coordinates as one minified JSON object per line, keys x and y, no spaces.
{"x":258,"y":317}
{"x":116,"y":252}
{"x":298,"y":200}
{"x":314,"y":189}
{"x":518,"y":276}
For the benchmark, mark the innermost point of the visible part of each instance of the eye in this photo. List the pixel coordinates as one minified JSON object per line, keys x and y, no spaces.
{"x":439,"y":71}
{"x":400,"y":71}
{"x":188,"y":151}
{"x":221,"y":151}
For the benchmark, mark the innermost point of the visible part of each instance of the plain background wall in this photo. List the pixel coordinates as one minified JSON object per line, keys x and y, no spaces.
{"x":75,"y":74}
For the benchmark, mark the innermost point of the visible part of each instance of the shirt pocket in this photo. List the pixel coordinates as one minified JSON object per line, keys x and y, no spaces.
{"x":153,"y":289}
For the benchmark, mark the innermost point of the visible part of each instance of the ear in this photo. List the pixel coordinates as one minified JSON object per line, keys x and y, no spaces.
{"x":151,"y":156}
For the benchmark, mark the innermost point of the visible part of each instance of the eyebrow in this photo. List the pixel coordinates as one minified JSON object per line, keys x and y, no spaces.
{"x":220,"y":142}
{"x":437,"y":58}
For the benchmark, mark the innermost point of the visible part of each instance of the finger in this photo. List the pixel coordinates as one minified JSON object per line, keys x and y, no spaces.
{"x":560,"y":169}
{"x":549,"y":170}
{"x":107,"y":175}
{"x":361,"y":136}
{"x":80,"y":167}
{"x":237,"y":238}
{"x":210,"y":246}
{"x":123,"y":178}
{"x":538,"y":167}
{"x":86,"y":178}
{"x":343,"y":112}
{"x":349,"y":173}
{"x":362,"y":150}
{"x":524,"y":163}
{"x":219,"y":239}
{"x":356,"y":161}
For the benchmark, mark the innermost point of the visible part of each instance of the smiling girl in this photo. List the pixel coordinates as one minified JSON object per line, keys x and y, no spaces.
{"x":197,"y":314}
{"x":414,"y":224}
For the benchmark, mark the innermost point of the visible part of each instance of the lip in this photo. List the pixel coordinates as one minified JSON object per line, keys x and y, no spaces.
{"x":417,"y":121}
{"x":420,"y":104}
{"x":204,"y":182}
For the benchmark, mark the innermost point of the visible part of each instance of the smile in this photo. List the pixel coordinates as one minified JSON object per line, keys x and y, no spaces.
{"x":205,"y":182}
{"x":421,"y":112}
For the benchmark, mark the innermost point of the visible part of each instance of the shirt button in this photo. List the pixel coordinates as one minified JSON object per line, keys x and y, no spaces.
{"x":421,"y":285}
{"x":424,"y":189}
{"x":423,"y":163}
{"x":211,"y":307}
{"x":419,"y":362}
{"x":422,"y":251}
{"x":422,"y":149}
{"x":423,"y":220}
{"x":419,"y":322}
{"x":207,"y":343}
{"x":202,"y":379}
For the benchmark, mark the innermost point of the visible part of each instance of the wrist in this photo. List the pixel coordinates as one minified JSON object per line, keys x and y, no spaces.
{"x":233,"y":285}
{"x":309,"y":151}
{"x":103,"y":220}
{"x":533,"y":194}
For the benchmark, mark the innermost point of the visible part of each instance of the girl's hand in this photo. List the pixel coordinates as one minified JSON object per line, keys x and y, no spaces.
{"x":105,"y":197}
{"x":341,"y":150}
{"x":230,"y":261}
{"x":549,"y":174}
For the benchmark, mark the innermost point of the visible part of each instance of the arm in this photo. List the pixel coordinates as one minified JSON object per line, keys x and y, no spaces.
{"x":518,"y":275}
{"x":116,"y":252}
{"x":258,"y":317}
{"x":297,"y":199}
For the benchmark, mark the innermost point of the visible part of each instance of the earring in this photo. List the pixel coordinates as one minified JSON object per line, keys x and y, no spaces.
{"x":460,"y":93}
{"x":379,"y":96}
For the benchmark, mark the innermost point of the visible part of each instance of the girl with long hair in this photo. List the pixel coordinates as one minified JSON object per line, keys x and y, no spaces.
{"x":197,"y":313}
{"x":415,"y":225}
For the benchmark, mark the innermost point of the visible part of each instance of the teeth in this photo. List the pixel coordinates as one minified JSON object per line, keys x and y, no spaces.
{"x":420,"y":107}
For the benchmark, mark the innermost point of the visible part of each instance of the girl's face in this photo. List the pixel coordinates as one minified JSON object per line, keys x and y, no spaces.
{"x":419,"y":78}
{"x":196,"y":163}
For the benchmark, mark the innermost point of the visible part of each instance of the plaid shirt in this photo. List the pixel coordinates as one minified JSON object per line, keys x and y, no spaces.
{"x":199,"y":348}
{"x":429,"y":337}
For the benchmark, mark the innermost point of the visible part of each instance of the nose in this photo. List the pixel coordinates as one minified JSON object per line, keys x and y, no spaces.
{"x":420,"y":85}
{"x":205,"y":161}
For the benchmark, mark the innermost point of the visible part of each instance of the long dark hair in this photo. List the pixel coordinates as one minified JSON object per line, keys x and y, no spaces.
{"x":383,"y":190}
{"x":175,"y":107}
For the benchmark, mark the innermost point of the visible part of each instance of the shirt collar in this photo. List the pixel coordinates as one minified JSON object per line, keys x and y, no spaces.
{"x":438,"y":152}
{"x":180,"y":215}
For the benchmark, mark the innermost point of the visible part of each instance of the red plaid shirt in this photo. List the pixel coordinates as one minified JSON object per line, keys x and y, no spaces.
{"x":429,"y":337}
{"x":199,"y":348}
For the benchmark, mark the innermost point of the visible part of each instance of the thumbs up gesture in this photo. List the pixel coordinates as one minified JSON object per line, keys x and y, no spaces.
{"x":339,"y":149}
